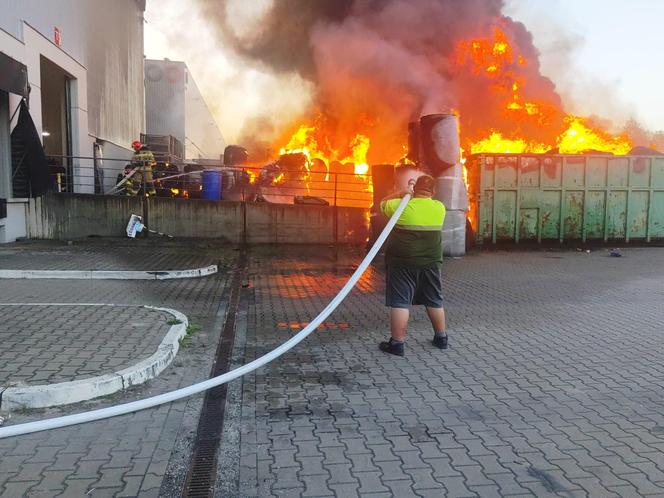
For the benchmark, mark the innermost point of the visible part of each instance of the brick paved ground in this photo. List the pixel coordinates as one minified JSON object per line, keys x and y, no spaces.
{"x":49,"y":344}
{"x":156,"y":253}
{"x":552,"y":386}
{"x":136,"y":454}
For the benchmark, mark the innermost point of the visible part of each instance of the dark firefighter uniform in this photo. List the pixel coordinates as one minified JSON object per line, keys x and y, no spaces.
{"x":143,"y":161}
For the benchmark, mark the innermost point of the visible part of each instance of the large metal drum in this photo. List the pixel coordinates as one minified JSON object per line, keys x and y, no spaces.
{"x":440,"y":155}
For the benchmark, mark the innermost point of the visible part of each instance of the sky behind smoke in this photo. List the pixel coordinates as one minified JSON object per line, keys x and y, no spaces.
{"x":601,"y":54}
{"x":616,"y":49}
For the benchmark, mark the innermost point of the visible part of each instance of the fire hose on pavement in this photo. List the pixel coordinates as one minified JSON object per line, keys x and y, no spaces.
{"x":113,"y":411}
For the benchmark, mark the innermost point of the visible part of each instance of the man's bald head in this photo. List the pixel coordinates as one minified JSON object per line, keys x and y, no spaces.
{"x":424,"y":186}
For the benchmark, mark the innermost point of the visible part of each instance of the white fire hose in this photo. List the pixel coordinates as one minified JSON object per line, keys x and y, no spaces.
{"x":134,"y":406}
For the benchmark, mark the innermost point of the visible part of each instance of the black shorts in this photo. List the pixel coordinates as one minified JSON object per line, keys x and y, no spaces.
{"x":413,"y":286}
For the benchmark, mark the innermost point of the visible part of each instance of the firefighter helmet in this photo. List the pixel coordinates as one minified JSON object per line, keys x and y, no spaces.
{"x":136,"y":145}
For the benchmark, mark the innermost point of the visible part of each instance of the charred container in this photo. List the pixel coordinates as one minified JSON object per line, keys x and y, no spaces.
{"x":235,"y":155}
{"x":382,"y":177}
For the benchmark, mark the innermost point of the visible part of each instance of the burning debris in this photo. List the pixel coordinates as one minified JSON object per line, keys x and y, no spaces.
{"x":322,"y":181}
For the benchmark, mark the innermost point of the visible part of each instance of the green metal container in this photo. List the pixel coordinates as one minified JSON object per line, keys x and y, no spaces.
{"x":588,"y":197}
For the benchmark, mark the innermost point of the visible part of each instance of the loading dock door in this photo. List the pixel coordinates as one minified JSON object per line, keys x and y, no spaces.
{"x":56,"y":119}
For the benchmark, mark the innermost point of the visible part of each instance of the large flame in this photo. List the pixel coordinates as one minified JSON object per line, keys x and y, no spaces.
{"x":514,"y":115}
{"x":503,"y":102}
{"x":523,"y":124}
{"x":496,"y":143}
{"x":579,"y":137}
{"x":325,"y":163}
{"x":306,"y":141}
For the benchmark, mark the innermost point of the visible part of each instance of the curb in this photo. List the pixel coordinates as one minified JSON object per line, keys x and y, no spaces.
{"x":65,"y":393}
{"x":110,"y":274}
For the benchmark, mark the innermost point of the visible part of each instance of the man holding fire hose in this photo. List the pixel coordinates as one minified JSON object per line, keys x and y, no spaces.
{"x":414,"y":256}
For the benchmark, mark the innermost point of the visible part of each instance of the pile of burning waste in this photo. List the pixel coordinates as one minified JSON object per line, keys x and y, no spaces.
{"x":373,"y":67}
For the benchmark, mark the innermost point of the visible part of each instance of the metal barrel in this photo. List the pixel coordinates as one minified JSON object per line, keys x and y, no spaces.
{"x":454,"y":233}
{"x":451,"y":191}
{"x":211,"y":185}
{"x":235,"y":155}
{"x":382,"y":177}
{"x":440,"y":154}
{"x":414,"y":141}
{"x":439,"y":142}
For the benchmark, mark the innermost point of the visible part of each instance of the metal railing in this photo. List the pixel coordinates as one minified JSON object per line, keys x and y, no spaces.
{"x":269,"y":183}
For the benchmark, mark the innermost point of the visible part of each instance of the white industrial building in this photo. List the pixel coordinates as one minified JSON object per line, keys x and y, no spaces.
{"x":84,"y":65}
{"x":174,"y":106}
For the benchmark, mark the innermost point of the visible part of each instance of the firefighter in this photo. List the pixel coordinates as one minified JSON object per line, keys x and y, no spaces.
{"x":143,"y":161}
{"x":122,"y":189}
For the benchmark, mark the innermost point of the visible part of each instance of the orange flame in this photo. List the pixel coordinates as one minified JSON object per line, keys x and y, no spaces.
{"x":305,"y":141}
{"x":579,"y":137}
{"x":496,"y":143}
{"x":497,"y":60}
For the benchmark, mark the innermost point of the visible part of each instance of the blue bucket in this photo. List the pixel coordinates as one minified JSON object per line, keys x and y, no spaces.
{"x":211,"y":185}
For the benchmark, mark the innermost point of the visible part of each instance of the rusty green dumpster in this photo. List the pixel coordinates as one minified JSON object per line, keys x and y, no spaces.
{"x":517,"y":197}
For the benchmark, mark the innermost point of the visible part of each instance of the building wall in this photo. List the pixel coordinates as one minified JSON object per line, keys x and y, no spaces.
{"x":5,"y":156}
{"x":106,"y":39}
{"x":164,"y":98}
{"x":14,"y":224}
{"x":174,"y":106}
{"x":101,"y":51}
{"x":203,"y":139}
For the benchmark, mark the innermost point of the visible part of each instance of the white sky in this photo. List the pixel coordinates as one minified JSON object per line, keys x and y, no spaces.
{"x":616,"y":50}
{"x":606,"y":58}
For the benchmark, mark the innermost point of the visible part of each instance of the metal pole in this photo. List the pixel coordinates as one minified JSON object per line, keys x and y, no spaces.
{"x":335,"y":221}
{"x":144,"y":202}
{"x":243,"y":237}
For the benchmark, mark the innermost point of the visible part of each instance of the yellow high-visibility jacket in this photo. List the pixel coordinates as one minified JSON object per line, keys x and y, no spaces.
{"x":416,"y":241}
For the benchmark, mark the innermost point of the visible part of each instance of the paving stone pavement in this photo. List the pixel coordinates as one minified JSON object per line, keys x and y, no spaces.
{"x":49,"y":344}
{"x":552,"y":385}
{"x":156,"y":254}
{"x":140,"y":454}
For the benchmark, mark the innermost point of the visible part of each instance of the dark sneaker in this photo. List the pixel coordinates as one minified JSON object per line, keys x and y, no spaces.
{"x":440,"y":341}
{"x":392,"y":347}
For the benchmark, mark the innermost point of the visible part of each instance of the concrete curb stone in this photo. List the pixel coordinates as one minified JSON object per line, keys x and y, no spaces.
{"x":64,"y":393}
{"x":110,"y":274}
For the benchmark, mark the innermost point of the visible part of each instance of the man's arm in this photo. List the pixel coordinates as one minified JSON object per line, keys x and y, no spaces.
{"x":396,"y":195}
{"x":400,"y":193}
{"x":388,"y":208}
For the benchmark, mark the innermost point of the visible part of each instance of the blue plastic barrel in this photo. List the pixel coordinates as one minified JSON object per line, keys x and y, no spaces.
{"x":211,"y":185}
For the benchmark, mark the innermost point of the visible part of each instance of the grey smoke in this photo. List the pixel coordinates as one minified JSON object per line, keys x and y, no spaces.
{"x":387,"y":59}
{"x":281,"y":41}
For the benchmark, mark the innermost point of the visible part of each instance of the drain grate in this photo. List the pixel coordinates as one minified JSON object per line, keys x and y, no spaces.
{"x":203,"y":466}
